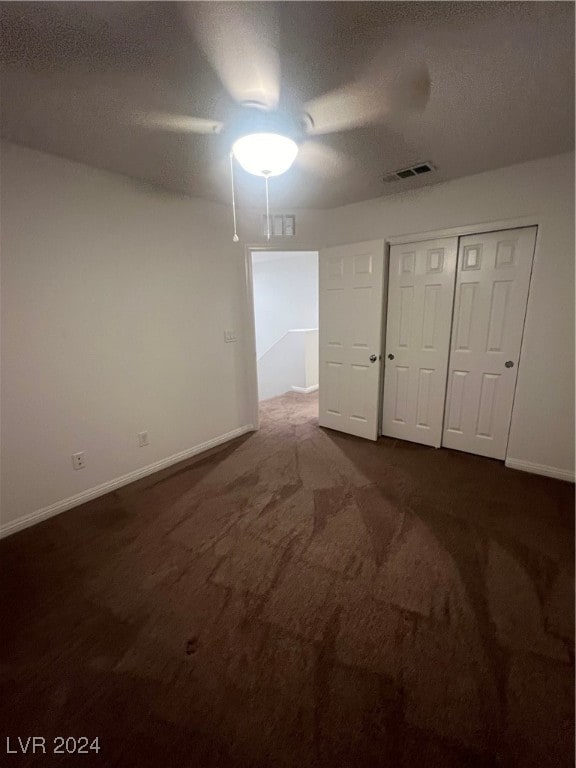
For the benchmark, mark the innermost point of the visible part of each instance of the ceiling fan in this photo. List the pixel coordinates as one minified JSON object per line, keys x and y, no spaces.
{"x":267,"y":132}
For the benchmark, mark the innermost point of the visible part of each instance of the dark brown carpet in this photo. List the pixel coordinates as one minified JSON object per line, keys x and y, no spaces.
{"x":299,"y":598}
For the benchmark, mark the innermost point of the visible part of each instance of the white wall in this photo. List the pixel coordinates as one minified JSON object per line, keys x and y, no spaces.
{"x":285,"y":288}
{"x":115,"y":298}
{"x":291,"y":365}
{"x":542,"y":431}
{"x":309,"y":228}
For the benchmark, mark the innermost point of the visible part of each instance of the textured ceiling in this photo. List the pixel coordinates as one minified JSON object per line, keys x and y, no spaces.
{"x":502,"y":91}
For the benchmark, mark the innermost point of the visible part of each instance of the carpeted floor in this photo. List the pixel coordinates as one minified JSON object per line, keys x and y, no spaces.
{"x":299,"y":598}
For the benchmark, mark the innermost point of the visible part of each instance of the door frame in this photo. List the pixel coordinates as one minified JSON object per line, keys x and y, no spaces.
{"x":479,"y":229}
{"x":252,"y":358}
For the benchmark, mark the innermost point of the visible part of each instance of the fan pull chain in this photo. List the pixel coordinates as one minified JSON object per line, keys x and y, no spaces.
{"x":267,"y":210}
{"x":235,"y":238}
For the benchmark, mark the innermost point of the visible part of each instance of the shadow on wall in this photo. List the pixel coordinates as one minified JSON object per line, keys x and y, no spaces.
{"x":290,"y":365}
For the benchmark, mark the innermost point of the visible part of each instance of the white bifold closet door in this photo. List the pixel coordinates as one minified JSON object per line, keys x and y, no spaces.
{"x":420,"y":301}
{"x":490,"y":305}
{"x":351,"y":283}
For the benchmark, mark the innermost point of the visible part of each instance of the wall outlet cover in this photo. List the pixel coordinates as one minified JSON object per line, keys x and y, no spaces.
{"x":78,"y":460}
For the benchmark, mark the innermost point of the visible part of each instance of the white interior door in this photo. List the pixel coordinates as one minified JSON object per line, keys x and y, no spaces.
{"x":420,"y":299}
{"x":351,"y":283}
{"x":491,"y":295}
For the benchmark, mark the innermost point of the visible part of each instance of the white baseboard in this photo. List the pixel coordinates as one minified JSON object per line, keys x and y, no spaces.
{"x":305,"y":390}
{"x":118,"y":482}
{"x":540,"y":469}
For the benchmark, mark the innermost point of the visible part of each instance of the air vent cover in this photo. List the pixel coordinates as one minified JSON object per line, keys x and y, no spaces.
{"x":408,"y":173}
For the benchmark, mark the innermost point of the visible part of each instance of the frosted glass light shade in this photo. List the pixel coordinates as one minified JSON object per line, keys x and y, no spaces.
{"x":265,"y":154}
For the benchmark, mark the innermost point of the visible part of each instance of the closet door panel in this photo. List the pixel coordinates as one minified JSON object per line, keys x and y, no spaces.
{"x":492,"y":285}
{"x":420,"y":300}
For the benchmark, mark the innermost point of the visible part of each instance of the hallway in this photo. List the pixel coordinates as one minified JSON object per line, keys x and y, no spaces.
{"x":300,"y":597}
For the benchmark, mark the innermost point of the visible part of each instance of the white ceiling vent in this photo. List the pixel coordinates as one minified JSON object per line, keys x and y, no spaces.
{"x":407,"y":173}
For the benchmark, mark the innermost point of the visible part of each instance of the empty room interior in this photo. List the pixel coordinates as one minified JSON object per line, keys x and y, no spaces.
{"x":287,"y":384}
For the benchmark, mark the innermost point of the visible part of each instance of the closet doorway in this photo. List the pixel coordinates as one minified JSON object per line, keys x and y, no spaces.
{"x":456,"y":309}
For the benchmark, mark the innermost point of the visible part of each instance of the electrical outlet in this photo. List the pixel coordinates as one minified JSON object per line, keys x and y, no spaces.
{"x":143,"y":439}
{"x":230,"y":336}
{"x":78,"y":460}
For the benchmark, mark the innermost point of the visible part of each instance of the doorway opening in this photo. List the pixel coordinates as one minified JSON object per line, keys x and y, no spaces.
{"x":285,"y":297}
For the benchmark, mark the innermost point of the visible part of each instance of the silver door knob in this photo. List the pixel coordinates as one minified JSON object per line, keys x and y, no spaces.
{"x":390,"y":357}
{"x":373,"y":358}
{"x":509,"y":364}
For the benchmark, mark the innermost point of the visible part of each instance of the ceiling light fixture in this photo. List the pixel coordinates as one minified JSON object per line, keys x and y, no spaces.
{"x":265,"y":154}
{"x":265,"y":144}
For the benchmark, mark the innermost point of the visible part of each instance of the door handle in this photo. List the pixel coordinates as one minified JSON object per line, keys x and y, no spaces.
{"x":373,"y":358}
{"x":509,"y":364}
{"x":390,"y":357}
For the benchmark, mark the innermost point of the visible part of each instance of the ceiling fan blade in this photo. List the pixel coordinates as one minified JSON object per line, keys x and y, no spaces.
{"x":411,"y":90}
{"x":387,"y":91}
{"x":322,"y":160}
{"x":342,"y":109}
{"x":97,"y":99}
{"x":241,"y":41}
{"x":165,"y":121}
